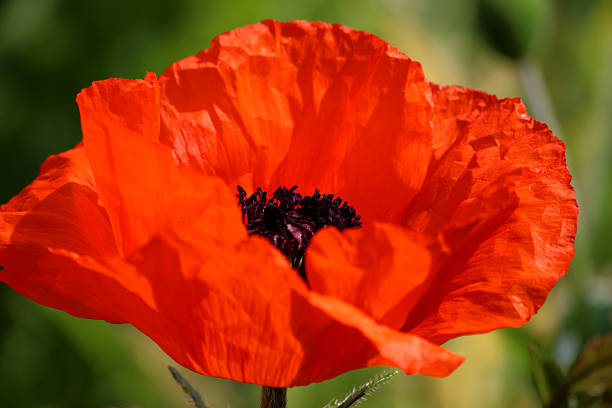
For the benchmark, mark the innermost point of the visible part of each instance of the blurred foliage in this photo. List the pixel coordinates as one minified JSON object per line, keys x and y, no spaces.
{"x":513,"y":28}
{"x":50,"y":49}
{"x":591,"y":372}
{"x":588,"y":382}
{"x":49,"y":359}
{"x":547,"y":375}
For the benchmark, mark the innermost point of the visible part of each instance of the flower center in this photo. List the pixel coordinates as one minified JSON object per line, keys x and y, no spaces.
{"x":289,"y":220}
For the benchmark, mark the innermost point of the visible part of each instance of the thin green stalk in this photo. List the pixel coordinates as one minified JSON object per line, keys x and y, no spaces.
{"x":187,"y":388}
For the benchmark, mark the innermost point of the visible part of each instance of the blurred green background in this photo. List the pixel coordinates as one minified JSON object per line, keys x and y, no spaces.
{"x":557,"y":55}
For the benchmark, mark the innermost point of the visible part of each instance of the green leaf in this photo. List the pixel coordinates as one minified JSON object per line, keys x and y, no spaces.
{"x":187,"y":388}
{"x":546,"y":373}
{"x":360,"y":394}
{"x":591,"y":373}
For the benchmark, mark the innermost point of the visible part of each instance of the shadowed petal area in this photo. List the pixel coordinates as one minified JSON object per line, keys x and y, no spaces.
{"x":381,"y":269}
{"x":410,"y":353}
{"x":239,"y":311}
{"x":313,"y":104}
{"x":498,"y":196}
{"x":54,"y":238}
{"x":60,"y":210}
{"x":139,"y":183}
{"x":71,"y":172}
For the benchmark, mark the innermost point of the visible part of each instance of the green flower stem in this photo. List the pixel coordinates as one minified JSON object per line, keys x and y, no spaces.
{"x":272,"y":397}
{"x":187,"y":388}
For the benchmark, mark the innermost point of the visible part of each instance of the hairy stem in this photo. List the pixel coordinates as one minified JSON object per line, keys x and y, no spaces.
{"x":272,"y":397}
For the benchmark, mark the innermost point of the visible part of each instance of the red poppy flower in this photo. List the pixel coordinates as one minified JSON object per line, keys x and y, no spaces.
{"x":468,"y":217}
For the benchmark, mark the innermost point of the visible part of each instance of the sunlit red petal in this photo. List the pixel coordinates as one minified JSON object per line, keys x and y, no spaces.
{"x":408,"y":352}
{"x":498,"y":195}
{"x":239,"y":311}
{"x":139,"y":184}
{"x":53,"y":221}
{"x":312,"y":104}
{"x":381,"y":269}
{"x":60,"y":210}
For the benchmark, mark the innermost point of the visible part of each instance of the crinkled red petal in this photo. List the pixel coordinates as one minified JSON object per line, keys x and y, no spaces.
{"x":313,"y":104}
{"x":498,"y":195}
{"x":237,"y":310}
{"x":382,"y":269}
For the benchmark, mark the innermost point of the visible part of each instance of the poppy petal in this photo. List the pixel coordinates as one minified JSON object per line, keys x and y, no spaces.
{"x":107,"y":289}
{"x":239,"y":311}
{"x":53,"y":221}
{"x":120,"y":121}
{"x":498,"y":195}
{"x":59,"y":209}
{"x":410,"y":353}
{"x":382,"y":269}
{"x":315,"y":102}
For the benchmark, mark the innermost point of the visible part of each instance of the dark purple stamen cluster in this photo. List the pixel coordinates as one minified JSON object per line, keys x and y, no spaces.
{"x":289,"y":220}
